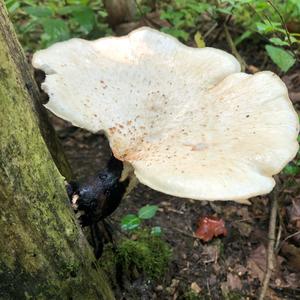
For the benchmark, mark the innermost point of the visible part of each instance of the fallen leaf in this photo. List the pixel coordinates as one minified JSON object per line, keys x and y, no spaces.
{"x":211,"y":253}
{"x":196,"y":288}
{"x":199,"y":40}
{"x":252,"y":69}
{"x":243,"y":212}
{"x":257,"y":264}
{"x":210,"y":227}
{"x":244,"y":228}
{"x":295,"y":97}
{"x":234,"y":282}
{"x":292,"y":254}
{"x":240,"y":270}
{"x":292,"y":280}
{"x":159,"y":288}
{"x":294,"y":212}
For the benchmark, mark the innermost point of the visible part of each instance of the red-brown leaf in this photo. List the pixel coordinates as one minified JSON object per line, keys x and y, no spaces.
{"x":210,"y":227}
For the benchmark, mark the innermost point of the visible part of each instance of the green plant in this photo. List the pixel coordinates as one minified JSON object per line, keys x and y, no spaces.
{"x":268,"y":19}
{"x":131,"y":221}
{"x":293,"y":168}
{"x":257,"y":18}
{"x":42,"y":23}
{"x":183,"y":15}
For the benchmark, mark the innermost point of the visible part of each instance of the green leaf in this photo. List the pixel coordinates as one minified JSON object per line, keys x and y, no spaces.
{"x":291,"y":170}
{"x":85,"y":18}
{"x":268,"y":27}
{"x":83,"y":15}
{"x":293,"y":39}
{"x":54,"y":30}
{"x":242,"y":37}
{"x":278,"y":42}
{"x":12,"y":6}
{"x":178,"y":33}
{"x":199,"y":40}
{"x":199,"y":7}
{"x":148,"y":211}
{"x":225,"y":10}
{"x":130,"y":222}
{"x":156,"y":231}
{"x":282,"y":58}
{"x":38,"y":11}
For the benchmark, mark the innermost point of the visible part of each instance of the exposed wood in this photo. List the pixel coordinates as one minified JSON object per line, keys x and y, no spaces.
{"x":43,"y":253}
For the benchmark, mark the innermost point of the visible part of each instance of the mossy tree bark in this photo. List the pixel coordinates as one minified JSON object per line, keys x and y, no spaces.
{"x":43,"y":253}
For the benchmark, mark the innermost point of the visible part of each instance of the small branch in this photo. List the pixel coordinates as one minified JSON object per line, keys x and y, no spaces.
{"x":271,"y":244}
{"x":209,"y":31}
{"x":233,"y":49}
{"x":283,"y":24}
{"x":184,"y":233}
{"x":279,"y":233}
{"x":287,"y":238}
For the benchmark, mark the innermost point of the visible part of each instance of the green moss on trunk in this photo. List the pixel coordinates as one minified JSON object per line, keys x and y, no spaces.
{"x":43,"y":253}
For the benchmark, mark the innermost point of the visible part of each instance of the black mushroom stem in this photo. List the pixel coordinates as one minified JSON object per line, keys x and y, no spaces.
{"x":98,"y":198}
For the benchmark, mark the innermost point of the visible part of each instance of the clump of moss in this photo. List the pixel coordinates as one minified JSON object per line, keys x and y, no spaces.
{"x":142,"y":254}
{"x":146,"y":253}
{"x":108,"y":261}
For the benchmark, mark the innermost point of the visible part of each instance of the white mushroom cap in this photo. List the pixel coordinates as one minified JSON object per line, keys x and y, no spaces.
{"x":186,"y":119}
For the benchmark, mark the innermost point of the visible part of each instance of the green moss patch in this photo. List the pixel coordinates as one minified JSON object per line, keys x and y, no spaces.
{"x":142,"y":254}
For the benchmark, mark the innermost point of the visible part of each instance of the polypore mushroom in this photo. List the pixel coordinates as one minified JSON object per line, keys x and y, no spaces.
{"x":187,"y":120}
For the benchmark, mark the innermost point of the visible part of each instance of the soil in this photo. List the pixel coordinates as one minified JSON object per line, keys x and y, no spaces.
{"x":230,"y":267}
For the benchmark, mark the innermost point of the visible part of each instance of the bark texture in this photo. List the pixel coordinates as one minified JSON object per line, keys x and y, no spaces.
{"x":43,"y":253}
{"x":26,"y":75}
{"x":120,"y":11}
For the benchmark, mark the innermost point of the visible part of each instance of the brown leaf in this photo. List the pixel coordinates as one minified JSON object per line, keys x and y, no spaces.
{"x":211,"y":253}
{"x":209,"y":227}
{"x":294,"y":212}
{"x":244,"y":228}
{"x":295,"y":97}
{"x":196,"y":288}
{"x":292,"y":280}
{"x":234,"y":282}
{"x":240,"y":270}
{"x":292,"y":254}
{"x":257,"y":264}
{"x":252,"y":69}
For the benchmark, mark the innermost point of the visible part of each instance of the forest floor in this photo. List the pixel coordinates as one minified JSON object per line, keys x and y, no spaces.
{"x":230,"y":267}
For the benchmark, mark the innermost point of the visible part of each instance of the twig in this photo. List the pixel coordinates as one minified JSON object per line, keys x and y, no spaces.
{"x":233,"y":49}
{"x":207,"y":285}
{"x":287,"y":238}
{"x":209,"y":31}
{"x":184,"y":233}
{"x":279,"y":233}
{"x":283,"y":24}
{"x":271,"y":244}
{"x":174,"y":210}
{"x":144,"y":15}
{"x":221,"y":26}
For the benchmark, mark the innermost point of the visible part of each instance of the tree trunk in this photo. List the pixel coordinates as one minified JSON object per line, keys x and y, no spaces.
{"x":43,"y":253}
{"x":120,"y":11}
